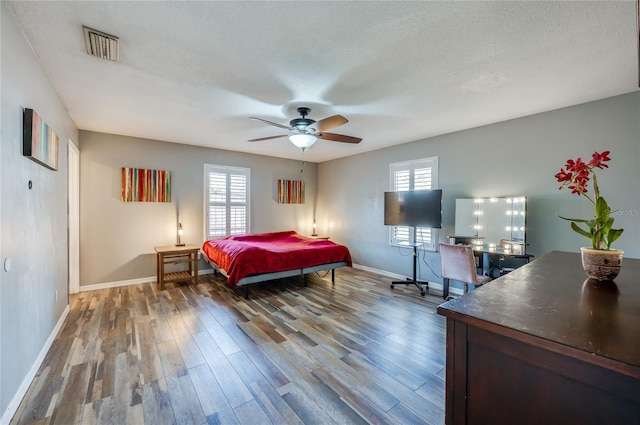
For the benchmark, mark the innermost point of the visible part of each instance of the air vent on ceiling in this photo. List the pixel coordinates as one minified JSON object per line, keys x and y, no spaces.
{"x":101,"y":45}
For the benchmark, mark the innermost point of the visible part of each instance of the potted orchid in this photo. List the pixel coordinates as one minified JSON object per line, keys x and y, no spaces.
{"x":575,"y":176}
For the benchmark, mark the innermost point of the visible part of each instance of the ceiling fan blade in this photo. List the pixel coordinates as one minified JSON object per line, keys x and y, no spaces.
{"x":329,"y":123}
{"x":339,"y":138}
{"x":267,"y":138}
{"x":270,"y":123}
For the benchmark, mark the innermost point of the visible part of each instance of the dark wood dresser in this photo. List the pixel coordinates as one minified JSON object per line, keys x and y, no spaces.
{"x":545,"y":345}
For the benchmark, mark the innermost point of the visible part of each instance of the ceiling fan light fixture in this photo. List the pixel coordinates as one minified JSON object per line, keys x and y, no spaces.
{"x":302,"y":140}
{"x":304,"y":132}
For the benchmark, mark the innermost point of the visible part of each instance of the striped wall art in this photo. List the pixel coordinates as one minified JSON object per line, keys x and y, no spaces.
{"x":39,"y":142}
{"x":290,"y":191}
{"x":140,"y":185}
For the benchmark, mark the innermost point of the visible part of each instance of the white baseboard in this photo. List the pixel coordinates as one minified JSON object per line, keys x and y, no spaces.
{"x":378,"y":271}
{"x":434,"y":285}
{"x":108,"y":285}
{"x":30,"y":376}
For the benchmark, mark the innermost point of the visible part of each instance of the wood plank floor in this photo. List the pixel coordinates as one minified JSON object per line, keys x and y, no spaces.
{"x":356,"y":352}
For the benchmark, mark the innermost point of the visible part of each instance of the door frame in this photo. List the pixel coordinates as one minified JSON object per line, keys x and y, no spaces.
{"x":73,"y":212}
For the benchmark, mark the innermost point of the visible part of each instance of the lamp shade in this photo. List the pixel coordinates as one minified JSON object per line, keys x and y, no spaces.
{"x":303,"y":141}
{"x":180,"y":232}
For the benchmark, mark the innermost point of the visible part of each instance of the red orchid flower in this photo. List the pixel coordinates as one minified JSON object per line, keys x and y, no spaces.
{"x":598,"y":160}
{"x":575,"y":178}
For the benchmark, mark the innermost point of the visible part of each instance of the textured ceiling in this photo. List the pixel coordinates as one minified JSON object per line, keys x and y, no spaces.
{"x":192,"y":72}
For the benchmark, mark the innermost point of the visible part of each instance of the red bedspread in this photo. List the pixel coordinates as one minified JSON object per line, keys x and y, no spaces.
{"x":245,"y":255}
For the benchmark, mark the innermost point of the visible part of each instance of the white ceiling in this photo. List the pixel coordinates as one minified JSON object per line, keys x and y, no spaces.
{"x":192,"y":72}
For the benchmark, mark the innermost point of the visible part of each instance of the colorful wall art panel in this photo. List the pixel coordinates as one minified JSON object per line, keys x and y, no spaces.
{"x":39,"y":142}
{"x":140,"y":185}
{"x":290,"y":191}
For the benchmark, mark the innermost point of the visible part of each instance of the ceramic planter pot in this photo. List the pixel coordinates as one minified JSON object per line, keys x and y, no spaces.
{"x":601,"y":265}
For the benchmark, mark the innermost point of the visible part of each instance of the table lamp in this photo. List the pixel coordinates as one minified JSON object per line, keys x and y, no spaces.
{"x":180,"y":231}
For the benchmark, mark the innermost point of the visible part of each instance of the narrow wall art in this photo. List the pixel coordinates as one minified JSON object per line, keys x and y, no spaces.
{"x":39,"y":142}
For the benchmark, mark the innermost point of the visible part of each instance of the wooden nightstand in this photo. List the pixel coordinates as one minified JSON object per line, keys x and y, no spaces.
{"x":172,"y":254}
{"x":326,"y":238}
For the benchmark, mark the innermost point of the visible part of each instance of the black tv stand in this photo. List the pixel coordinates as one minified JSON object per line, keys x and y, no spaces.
{"x":414,"y":281}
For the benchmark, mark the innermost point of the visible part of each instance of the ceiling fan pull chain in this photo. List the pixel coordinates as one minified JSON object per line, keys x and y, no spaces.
{"x":302,"y":166}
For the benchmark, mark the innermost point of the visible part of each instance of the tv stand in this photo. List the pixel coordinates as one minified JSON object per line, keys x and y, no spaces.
{"x":414,"y":281}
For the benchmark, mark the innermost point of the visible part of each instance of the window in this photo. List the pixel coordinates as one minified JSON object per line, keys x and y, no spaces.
{"x":414,"y":175}
{"x":226,"y":200}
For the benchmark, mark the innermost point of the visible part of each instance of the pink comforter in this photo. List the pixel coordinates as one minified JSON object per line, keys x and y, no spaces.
{"x":245,"y":255}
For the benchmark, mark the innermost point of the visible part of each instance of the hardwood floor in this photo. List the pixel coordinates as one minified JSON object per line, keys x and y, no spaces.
{"x":356,"y":352}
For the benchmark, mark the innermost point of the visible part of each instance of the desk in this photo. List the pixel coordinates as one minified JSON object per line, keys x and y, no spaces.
{"x":485,"y":253}
{"x":171,"y":254}
{"x":545,"y":345}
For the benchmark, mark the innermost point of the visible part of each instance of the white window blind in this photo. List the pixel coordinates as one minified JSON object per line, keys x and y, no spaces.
{"x":414,"y":175}
{"x":226,"y":200}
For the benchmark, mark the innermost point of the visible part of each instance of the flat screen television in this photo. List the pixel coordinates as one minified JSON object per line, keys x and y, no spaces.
{"x":415,"y":208}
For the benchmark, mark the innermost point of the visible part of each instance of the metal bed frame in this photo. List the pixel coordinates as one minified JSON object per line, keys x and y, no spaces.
{"x":263,"y":277}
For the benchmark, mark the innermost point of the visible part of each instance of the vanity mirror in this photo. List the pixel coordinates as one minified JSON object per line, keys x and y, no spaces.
{"x":492,"y":220}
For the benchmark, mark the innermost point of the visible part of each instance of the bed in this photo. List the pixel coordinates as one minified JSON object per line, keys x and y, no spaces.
{"x":248,"y":259}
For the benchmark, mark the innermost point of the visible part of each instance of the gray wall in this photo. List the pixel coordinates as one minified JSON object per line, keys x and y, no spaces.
{"x":33,"y":222}
{"x":117,"y":238}
{"x":516,"y":157}
{"x":511,"y":158}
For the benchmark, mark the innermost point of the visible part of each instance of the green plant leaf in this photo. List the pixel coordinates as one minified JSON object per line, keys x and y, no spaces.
{"x":602,"y":209}
{"x":607,"y":226}
{"x":580,"y":231}
{"x":613,"y":235}
{"x":577,"y":220}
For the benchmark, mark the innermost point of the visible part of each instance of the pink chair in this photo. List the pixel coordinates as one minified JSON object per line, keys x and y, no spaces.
{"x":458,"y":263}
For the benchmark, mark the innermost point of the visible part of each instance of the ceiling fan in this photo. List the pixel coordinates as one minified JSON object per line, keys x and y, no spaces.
{"x":304,"y":132}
